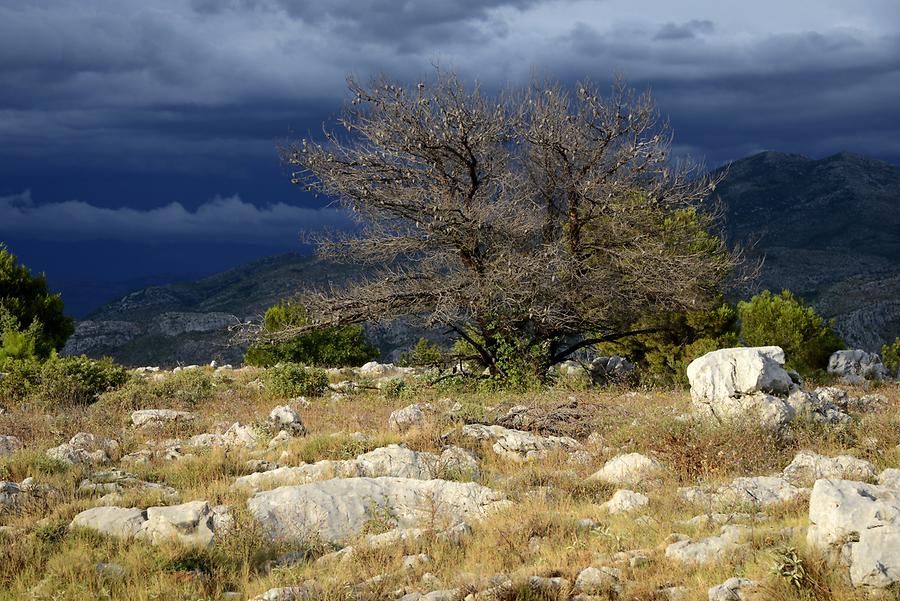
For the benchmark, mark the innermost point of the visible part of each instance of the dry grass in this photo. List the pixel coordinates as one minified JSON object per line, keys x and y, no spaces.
{"x":41,"y":559}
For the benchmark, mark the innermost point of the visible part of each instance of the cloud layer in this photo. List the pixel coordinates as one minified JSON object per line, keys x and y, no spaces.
{"x":218,"y":220}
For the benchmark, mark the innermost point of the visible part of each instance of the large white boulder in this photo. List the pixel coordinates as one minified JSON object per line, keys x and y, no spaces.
{"x":189,"y":524}
{"x":629,"y":469}
{"x":856,"y":366}
{"x":740,"y":383}
{"x":807,"y":467}
{"x":336,"y":511}
{"x":285,"y":418}
{"x":857,"y":524}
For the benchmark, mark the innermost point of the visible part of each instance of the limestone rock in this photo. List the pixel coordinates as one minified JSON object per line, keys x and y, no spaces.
{"x":733,"y":589}
{"x":857,"y":366}
{"x":236,"y":435}
{"x":890,"y":478}
{"x":120,"y":522}
{"x":593,"y":581}
{"x":629,"y":469}
{"x":403,"y":420}
{"x":460,"y":463}
{"x":518,"y":445}
{"x":84,"y":448}
{"x":118,"y":481}
{"x":9,"y":445}
{"x":625,"y":501}
{"x":157,"y":417}
{"x":189,"y":524}
{"x":337,"y":510}
{"x":760,"y":491}
{"x":285,"y":418}
{"x":708,"y":550}
{"x":857,"y":524}
{"x":807,"y":467}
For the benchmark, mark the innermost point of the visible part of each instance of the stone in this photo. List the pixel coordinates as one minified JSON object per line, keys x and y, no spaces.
{"x":414,"y":562}
{"x":675,"y":593}
{"x":810,"y":407}
{"x":708,"y":550}
{"x":157,"y":417}
{"x":807,"y":467}
{"x":285,"y":593}
{"x":594,"y":581}
{"x":236,"y":435}
{"x":284,"y":418}
{"x":756,"y":491}
{"x":119,"y":481}
{"x":857,"y":524}
{"x":112,"y":571}
{"x":189,"y":524}
{"x":553,"y":585}
{"x":336,"y":511}
{"x":84,"y":448}
{"x":857,"y":366}
{"x":518,"y":445}
{"x":9,"y":445}
{"x":733,"y":589}
{"x":628,"y":469}
{"x":407,"y":418}
{"x":11,"y":495}
{"x":890,"y":478}
{"x":625,"y":501}
{"x":120,"y":522}
{"x":459,"y":463}
{"x":715,"y":518}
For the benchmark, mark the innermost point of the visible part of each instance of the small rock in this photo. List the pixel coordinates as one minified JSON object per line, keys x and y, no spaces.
{"x":284,"y":418}
{"x":403,"y":420}
{"x":807,"y":467}
{"x":593,"y":581}
{"x":9,"y":445}
{"x":733,"y":589}
{"x":157,"y":417}
{"x":629,"y":469}
{"x":625,"y":501}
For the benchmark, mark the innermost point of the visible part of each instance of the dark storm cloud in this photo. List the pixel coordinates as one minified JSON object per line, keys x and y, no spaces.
{"x":211,"y":86}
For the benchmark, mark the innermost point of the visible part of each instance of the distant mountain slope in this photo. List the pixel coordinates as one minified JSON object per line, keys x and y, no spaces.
{"x":829,"y":230}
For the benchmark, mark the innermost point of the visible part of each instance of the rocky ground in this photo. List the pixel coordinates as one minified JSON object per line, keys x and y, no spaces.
{"x":751,"y":486}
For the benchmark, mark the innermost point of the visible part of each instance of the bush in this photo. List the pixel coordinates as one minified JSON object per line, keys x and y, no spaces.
{"x":73,"y":381}
{"x":187,"y":388}
{"x":890,"y":356}
{"x":287,"y":380}
{"x":21,"y":375}
{"x":663,"y":355}
{"x":424,"y":354}
{"x":784,"y":320}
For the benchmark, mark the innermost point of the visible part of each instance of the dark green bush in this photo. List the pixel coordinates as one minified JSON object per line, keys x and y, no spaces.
{"x":287,"y":380}
{"x":784,"y":320}
{"x":344,"y":346}
{"x":890,"y":356}
{"x":187,"y":388}
{"x":20,"y":376}
{"x":73,"y":381}
{"x":28,"y":306}
{"x":663,"y":355}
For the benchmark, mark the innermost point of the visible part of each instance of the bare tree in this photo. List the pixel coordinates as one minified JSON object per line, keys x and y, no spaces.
{"x":550,"y":217}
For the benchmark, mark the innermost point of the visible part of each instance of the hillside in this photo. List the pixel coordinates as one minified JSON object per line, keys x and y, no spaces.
{"x":828,"y":229}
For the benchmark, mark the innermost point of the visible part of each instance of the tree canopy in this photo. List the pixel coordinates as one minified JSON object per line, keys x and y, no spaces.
{"x":550,"y":217}
{"x":31,"y":316}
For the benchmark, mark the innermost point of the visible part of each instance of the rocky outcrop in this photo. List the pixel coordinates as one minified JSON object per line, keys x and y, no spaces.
{"x":518,"y":445}
{"x":857,"y":525}
{"x":710,"y":549}
{"x":157,"y":417}
{"x":857,"y":366}
{"x":407,"y":418}
{"x":192,"y":524}
{"x":336,"y":511}
{"x":807,"y":467}
{"x":755,"y":491}
{"x":625,"y":501}
{"x":84,"y":448}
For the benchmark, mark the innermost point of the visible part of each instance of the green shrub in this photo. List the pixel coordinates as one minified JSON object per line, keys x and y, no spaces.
{"x":784,"y":320}
{"x":73,"y":381}
{"x":663,"y":355}
{"x":890,"y":356}
{"x":393,"y":388}
{"x":287,"y":380}
{"x":187,"y":388}
{"x":20,"y":376}
{"x":424,"y":354}
{"x":344,"y":346}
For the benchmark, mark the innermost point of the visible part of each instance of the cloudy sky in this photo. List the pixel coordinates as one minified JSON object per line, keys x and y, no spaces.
{"x":137,"y":139}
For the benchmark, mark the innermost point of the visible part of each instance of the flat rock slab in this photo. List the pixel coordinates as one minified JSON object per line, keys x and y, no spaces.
{"x":756,"y":491}
{"x":336,"y":511}
{"x":519,"y":445}
{"x":807,"y":467}
{"x":155,"y":417}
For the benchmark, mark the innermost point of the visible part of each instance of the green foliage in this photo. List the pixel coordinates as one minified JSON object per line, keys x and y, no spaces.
{"x":424,"y":354}
{"x":789,"y":565}
{"x":663,"y":355}
{"x":74,"y":381}
{"x":784,"y":320}
{"x":890,"y":356}
{"x":28,"y":307}
{"x":188,"y":387}
{"x":330,"y":347}
{"x":393,"y":388}
{"x":520,"y":362}
{"x":287,"y":380}
{"x":21,"y":375}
